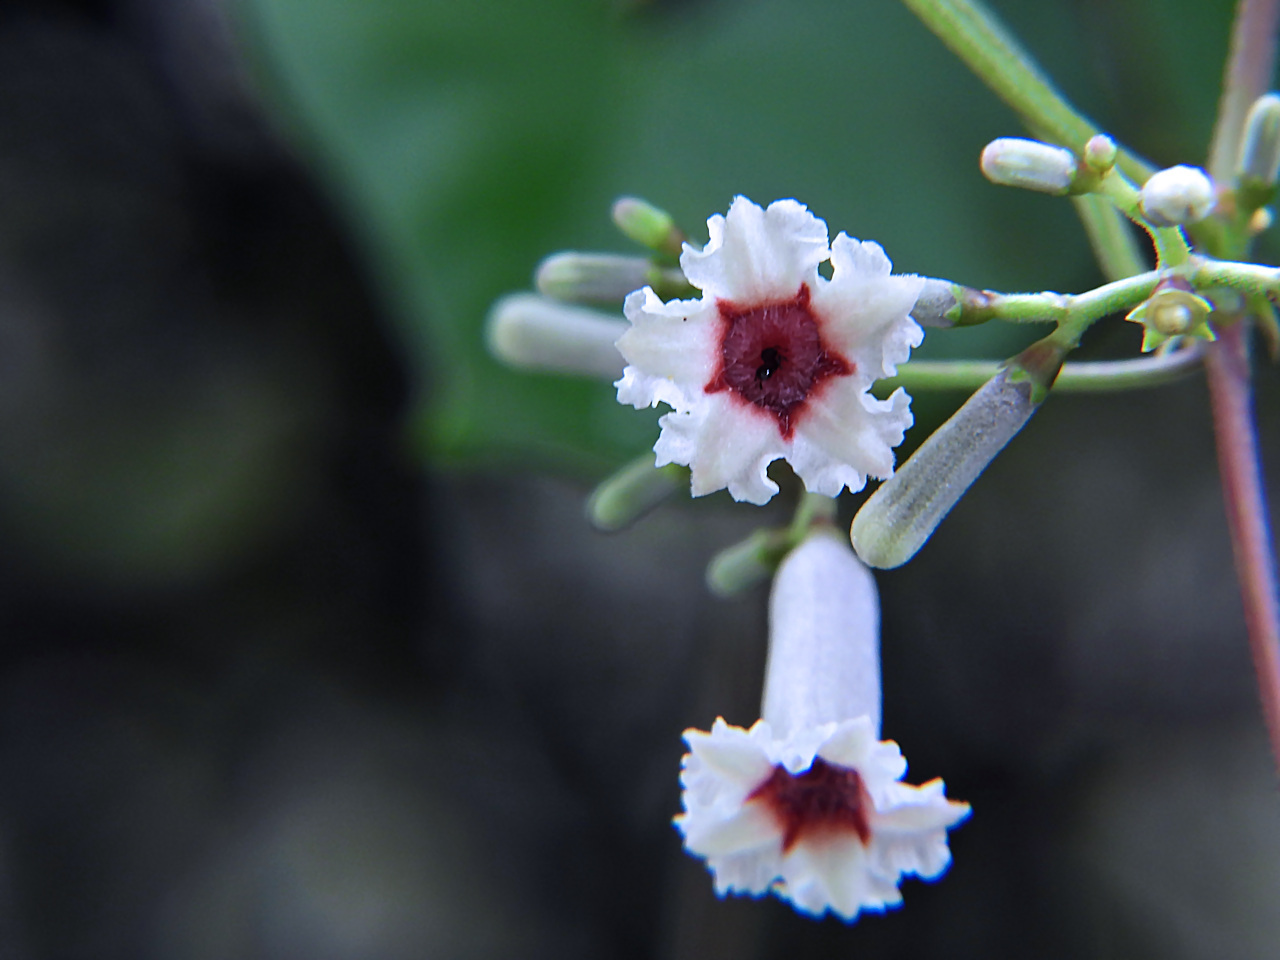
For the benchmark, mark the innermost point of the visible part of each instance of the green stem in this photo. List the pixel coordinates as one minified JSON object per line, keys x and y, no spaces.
{"x":975,"y":36}
{"x":1060,"y":308}
{"x":813,"y":508}
{"x":1107,"y":376}
{"x":1172,"y":249}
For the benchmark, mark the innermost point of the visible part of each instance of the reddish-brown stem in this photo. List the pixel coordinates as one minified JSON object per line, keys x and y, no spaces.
{"x":1227,"y":365}
{"x":1250,"y":63}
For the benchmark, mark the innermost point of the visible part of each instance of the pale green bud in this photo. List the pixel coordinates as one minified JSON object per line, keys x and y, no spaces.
{"x":534,"y":333}
{"x":1176,"y":196}
{"x":747,"y":562}
{"x":1260,"y":153}
{"x":591,"y":277}
{"x":1030,"y":164}
{"x":648,"y":226}
{"x":632,"y":492}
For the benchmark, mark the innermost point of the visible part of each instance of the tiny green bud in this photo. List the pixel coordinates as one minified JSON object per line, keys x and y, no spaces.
{"x":1176,"y":196}
{"x":535,"y":333}
{"x":1260,"y":152}
{"x":648,"y":226}
{"x":633,"y":491}
{"x":1015,"y":162}
{"x":1100,"y":153}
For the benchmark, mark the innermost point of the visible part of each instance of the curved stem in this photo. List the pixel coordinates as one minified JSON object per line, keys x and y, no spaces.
{"x":1106,"y":376}
{"x":1227,"y":364}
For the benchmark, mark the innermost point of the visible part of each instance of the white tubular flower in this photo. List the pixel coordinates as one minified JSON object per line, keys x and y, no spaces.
{"x":809,"y":803}
{"x":775,"y":361}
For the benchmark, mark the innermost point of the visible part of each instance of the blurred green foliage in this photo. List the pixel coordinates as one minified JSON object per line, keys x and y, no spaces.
{"x":467,"y":140}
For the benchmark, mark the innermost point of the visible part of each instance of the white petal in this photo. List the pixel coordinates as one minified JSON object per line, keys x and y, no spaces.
{"x":849,"y":745}
{"x":916,"y":809}
{"x":725,"y":444}
{"x":731,"y":754}
{"x":865,"y":311}
{"x":847,"y":435}
{"x":834,"y":875}
{"x":671,"y":350}
{"x":746,"y":829}
{"x":756,"y":254}
{"x":751,"y":873}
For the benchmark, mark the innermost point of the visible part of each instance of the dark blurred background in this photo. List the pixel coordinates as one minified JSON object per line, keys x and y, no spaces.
{"x":307,"y":650}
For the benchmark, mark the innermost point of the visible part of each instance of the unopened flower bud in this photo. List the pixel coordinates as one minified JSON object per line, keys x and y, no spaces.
{"x":1100,"y":152}
{"x":532,"y":332}
{"x":1015,"y":162}
{"x":936,"y":305}
{"x":1260,"y":220}
{"x":1177,"y":196}
{"x":1260,"y":152}
{"x":633,"y":491}
{"x":747,"y":562}
{"x":648,"y":226}
{"x":591,"y":277}
{"x":902,"y":514}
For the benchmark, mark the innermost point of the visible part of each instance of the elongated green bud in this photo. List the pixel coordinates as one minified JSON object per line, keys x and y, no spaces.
{"x":534,"y":333}
{"x":605,"y":277}
{"x":632,"y":492}
{"x":1030,"y":164}
{"x":903,"y":513}
{"x":590,"y":277}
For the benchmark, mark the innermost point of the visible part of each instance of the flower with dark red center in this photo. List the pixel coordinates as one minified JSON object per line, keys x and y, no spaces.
{"x":808,"y":803}
{"x":775,"y":361}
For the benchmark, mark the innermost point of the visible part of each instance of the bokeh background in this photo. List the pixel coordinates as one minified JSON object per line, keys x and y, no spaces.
{"x":307,"y":651}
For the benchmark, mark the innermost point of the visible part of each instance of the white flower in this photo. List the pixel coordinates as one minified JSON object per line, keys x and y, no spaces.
{"x":819,"y":818}
{"x":808,"y":803}
{"x":775,"y":361}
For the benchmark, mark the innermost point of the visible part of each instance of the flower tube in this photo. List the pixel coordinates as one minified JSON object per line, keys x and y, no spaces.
{"x":808,"y":803}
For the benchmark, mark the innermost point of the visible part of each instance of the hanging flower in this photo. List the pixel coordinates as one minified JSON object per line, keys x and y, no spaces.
{"x":775,"y":361}
{"x":809,"y":802}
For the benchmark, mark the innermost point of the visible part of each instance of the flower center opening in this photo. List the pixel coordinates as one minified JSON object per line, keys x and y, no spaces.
{"x":772,"y":356}
{"x":824,"y":799}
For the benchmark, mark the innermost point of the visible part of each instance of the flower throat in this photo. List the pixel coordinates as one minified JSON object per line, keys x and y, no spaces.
{"x":772,"y":356}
